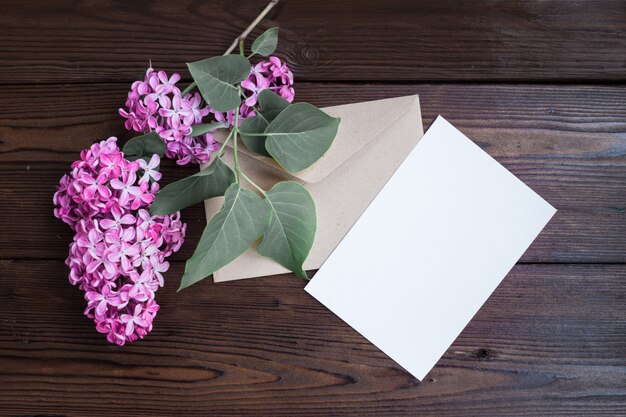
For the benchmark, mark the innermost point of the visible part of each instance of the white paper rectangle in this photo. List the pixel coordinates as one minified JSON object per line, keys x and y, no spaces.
{"x":430,"y":249}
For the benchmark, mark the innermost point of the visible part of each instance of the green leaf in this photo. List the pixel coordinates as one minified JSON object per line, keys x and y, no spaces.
{"x":257,"y":125}
{"x":300,"y":135}
{"x":271,"y":104}
{"x":216,"y":78}
{"x":201,"y":129}
{"x":242,"y":220}
{"x":211,"y":182}
{"x":266,"y":43}
{"x":144,"y":146}
{"x":289,"y":237}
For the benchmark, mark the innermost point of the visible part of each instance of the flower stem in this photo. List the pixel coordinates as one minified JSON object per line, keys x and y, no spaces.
{"x":241,"y":37}
{"x":238,"y":170}
{"x":251,"y":26}
{"x":223,"y":147}
{"x":261,"y":190}
{"x":188,"y":89}
{"x":235,"y":156}
{"x":256,"y":109}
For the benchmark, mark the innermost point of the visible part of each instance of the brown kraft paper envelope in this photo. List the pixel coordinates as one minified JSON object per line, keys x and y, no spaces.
{"x":373,"y":139}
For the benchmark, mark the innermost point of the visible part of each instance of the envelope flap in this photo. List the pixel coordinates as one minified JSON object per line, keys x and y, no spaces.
{"x":360,"y":124}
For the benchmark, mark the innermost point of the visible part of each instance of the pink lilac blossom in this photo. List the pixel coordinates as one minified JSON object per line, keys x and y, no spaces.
{"x":157,"y":104}
{"x":117,"y":256}
{"x":272,"y":74}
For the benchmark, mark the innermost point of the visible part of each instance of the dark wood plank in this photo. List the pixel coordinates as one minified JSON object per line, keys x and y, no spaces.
{"x":551,"y":338}
{"x":567,"y":143}
{"x":68,"y":41}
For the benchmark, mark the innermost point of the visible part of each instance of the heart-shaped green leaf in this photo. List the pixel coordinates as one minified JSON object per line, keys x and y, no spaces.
{"x":203,"y":128}
{"x":271,"y":104}
{"x":144,"y":146}
{"x":289,"y":237}
{"x":216,"y":78}
{"x":211,"y":182}
{"x":242,"y":220}
{"x":300,"y":135}
{"x":256,"y":125}
{"x":266,"y":43}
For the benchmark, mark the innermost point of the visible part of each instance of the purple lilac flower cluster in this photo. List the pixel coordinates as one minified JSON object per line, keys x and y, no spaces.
{"x":118,"y":253}
{"x":272,"y":74}
{"x":157,"y":104}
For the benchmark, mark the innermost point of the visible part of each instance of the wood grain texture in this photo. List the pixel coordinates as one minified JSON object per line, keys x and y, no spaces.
{"x":549,"y":341}
{"x":86,"y":41}
{"x":566,"y":142}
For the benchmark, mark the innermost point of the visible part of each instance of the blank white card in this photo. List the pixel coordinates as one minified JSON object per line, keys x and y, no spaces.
{"x":430,"y":249}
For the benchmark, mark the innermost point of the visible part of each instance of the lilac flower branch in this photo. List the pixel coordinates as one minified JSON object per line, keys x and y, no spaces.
{"x":125,"y":230}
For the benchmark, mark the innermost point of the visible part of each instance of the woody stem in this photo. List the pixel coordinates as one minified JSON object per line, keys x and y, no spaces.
{"x":241,"y":37}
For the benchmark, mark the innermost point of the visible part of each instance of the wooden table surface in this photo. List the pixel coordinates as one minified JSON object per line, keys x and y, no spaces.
{"x":540,"y":85}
